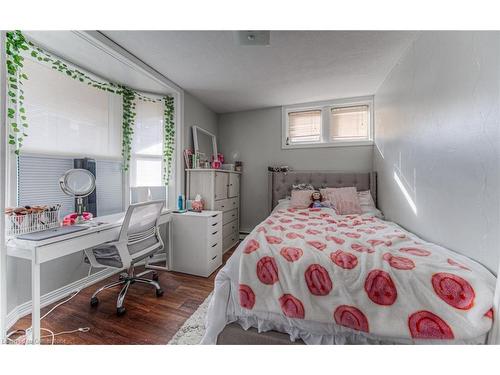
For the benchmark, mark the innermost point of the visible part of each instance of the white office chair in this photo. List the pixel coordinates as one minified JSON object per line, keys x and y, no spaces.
{"x":139,"y":239}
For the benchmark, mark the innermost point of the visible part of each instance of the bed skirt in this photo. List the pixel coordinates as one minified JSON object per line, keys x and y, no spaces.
{"x":244,"y":332}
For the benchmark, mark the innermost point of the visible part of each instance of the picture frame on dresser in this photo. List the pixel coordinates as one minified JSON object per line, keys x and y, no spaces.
{"x":220,"y":191}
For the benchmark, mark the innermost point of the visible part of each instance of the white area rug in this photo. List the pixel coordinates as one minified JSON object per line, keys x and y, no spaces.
{"x":193,"y":329}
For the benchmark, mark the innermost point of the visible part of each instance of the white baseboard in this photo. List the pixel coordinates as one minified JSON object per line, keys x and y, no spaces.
{"x":25,"y":308}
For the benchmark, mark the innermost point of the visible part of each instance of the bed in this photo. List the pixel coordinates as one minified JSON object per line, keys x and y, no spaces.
{"x":312,"y":276}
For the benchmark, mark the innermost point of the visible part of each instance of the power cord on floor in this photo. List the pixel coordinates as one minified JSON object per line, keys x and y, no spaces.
{"x":25,"y":337}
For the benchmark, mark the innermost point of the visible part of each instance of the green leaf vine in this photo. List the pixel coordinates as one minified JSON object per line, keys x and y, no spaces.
{"x":16,"y":113}
{"x":169,"y":138}
{"x":17,"y":45}
{"x":127,"y":125}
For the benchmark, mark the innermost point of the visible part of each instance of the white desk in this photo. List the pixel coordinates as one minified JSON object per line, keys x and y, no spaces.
{"x":39,"y":252}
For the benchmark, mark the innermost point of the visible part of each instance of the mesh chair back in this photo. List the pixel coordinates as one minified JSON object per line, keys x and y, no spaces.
{"x":140,"y":226}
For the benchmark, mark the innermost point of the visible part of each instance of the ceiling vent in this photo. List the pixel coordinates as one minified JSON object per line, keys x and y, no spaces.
{"x":252,"y":38}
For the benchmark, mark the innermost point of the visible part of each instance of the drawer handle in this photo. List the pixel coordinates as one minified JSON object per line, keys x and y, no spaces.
{"x":215,"y":244}
{"x":214,"y":224}
{"x":214,"y":232}
{"x":214,"y":257}
{"x":214,"y":215}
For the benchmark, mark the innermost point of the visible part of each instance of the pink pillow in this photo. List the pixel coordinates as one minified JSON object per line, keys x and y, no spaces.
{"x":345,"y":200}
{"x":301,"y":198}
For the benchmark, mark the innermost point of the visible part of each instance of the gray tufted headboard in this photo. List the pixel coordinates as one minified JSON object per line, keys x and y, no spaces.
{"x":280,"y":183}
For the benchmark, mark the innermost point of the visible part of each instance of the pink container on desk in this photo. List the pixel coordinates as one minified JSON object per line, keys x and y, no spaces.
{"x":216,"y":164}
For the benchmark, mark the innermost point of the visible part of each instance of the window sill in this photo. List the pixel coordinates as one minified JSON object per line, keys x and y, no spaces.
{"x":330,"y":144}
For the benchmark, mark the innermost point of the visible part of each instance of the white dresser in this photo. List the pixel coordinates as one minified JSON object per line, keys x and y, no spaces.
{"x":197,"y":242}
{"x":220,"y":190}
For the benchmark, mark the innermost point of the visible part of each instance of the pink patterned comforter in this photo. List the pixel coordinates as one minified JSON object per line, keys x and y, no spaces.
{"x":365,"y":274}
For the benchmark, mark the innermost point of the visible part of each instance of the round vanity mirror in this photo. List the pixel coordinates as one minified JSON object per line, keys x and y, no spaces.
{"x":78,"y":183}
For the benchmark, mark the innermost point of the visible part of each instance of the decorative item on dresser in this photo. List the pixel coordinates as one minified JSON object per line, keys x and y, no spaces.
{"x":197,"y":238}
{"x":220,"y":189}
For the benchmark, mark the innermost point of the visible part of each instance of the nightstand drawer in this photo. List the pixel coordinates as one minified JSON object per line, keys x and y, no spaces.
{"x":229,"y":216}
{"x":214,"y":221}
{"x":214,"y":263}
{"x":214,"y":233}
{"x":214,"y":251}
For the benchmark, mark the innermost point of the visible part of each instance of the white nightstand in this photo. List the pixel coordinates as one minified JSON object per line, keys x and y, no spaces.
{"x":197,"y":242}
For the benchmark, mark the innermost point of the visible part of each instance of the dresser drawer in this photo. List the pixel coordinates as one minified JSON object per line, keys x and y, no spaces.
{"x":230,"y":240}
{"x":229,"y":216}
{"x":229,"y":228}
{"x":226,"y":204}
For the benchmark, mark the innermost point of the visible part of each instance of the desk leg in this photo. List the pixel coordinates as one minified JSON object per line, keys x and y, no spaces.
{"x":35,"y":298}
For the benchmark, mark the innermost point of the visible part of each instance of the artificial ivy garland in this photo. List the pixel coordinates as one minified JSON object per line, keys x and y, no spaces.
{"x":16,"y":113}
{"x":127,"y":125}
{"x":169,"y":138}
{"x":16,"y":44}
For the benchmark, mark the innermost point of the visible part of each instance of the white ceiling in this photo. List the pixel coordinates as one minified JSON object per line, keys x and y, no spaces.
{"x":298,"y":66}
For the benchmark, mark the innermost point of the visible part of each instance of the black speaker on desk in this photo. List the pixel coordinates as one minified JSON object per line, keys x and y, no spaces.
{"x":89,"y":202}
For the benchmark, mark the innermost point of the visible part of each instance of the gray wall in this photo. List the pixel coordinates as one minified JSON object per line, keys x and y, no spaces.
{"x":254,"y":137}
{"x":437,"y":126}
{"x":196,"y":113}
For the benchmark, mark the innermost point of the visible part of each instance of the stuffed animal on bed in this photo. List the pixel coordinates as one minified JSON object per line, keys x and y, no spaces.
{"x":318,"y":202}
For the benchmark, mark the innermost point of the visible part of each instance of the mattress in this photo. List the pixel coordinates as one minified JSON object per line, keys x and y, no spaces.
{"x":350,"y":309}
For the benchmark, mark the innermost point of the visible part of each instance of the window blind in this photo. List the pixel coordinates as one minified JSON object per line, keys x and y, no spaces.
{"x":148,"y":128}
{"x":109,"y":186}
{"x":67,"y":117}
{"x":349,"y":122}
{"x":38,"y":182}
{"x":304,"y":126}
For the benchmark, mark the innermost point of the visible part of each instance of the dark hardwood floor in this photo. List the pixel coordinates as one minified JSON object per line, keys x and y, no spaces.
{"x":148,"y":320}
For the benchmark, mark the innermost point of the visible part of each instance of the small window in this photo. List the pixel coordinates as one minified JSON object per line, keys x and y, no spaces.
{"x":146,"y":161}
{"x":146,"y":172}
{"x":304,"y":126}
{"x":349,"y":123}
{"x":147,"y":145}
{"x":343,"y":122}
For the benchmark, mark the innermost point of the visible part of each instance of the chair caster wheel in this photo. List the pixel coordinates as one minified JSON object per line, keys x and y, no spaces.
{"x":120,"y":311}
{"x":155,"y":276}
{"x":94,"y":302}
{"x":159,"y":292}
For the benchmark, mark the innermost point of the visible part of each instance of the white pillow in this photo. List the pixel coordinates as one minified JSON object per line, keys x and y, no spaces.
{"x":367,"y":204}
{"x":365,"y":199}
